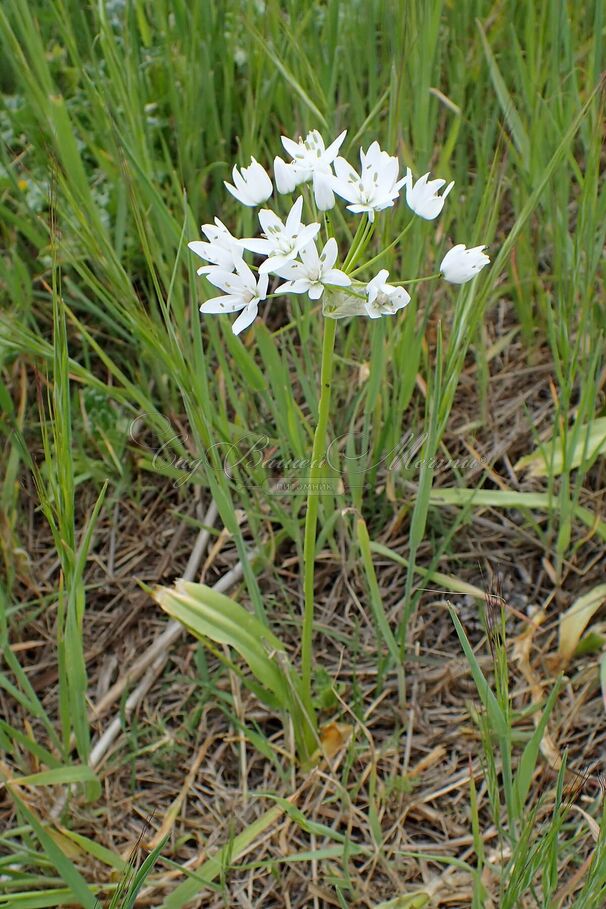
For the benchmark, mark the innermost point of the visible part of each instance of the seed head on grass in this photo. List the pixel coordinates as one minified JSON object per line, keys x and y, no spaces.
{"x":495,"y":620}
{"x":135,"y":875}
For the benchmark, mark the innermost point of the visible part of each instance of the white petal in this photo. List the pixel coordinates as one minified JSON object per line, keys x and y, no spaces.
{"x":285,"y":288}
{"x":344,"y":170}
{"x":238,"y":178}
{"x":301,"y":286}
{"x":225,"y":280}
{"x":227,"y":303}
{"x":246,"y":318}
{"x":269,"y":219}
{"x":285,"y":175}
{"x":374,"y":153}
{"x":304,"y":237}
{"x":374,"y":285}
{"x":371,"y":312}
{"x":262,"y":285}
{"x":256,"y":245}
{"x":344,"y":188}
{"x":452,"y":255}
{"x":274,"y":262}
{"x":246,"y":276}
{"x":197,"y":246}
{"x":259,"y":182}
{"x":460,"y":265}
{"x":241,"y":196}
{"x":293,"y":222}
{"x":315,"y":140}
{"x":330,"y":253}
{"x":290,"y":146}
{"x":334,"y":147}
{"x":402,"y":296}
{"x":334,"y":276}
{"x":292,"y":270}
{"x":212,"y":269}
{"x":309,"y":256}
{"x":218,"y":227}
{"x":216,"y":255}
{"x":388,"y":171}
{"x":323,"y":193}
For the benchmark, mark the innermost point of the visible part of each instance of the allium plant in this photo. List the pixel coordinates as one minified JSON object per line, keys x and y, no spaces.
{"x":296,"y":253}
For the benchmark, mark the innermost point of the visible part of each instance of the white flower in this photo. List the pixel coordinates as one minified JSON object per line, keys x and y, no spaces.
{"x":311,"y":160}
{"x":286,"y":176}
{"x":341,"y":304}
{"x":219,"y":235}
{"x":375,"y":299}
{"x":422,"y":196}
{"x":460,"y":264}
{"x":282,"y":242}
{"x":323,"y":193}
{"x":243,"y":293}
{"x":377,"y":185}
{"x":252,"y":185}
{"x":222,"y":250}
{"x":313,"y":271}
{"x":310,"y":155}
{"x":384,"y":299}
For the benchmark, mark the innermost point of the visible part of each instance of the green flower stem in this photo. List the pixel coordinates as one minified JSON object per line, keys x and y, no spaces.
{"x":311,"y":516}
{"x":360,"y":241}
{"x":366,"y":238}
{"x":383,"y":251}
{"x":438,"y":274}
{"x":357,"y":241}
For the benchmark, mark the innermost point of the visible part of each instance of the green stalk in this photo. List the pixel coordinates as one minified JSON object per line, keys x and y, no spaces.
{"x":311,"y":517}
{"x":383,"y":251}
{"x":354,"y":251}
{"x":317,"y":467}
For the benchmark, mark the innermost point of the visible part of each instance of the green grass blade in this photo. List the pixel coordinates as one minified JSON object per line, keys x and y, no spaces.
{"x":60,"y":861}
{"x":212,"y":868}
{"x":495,"y":714}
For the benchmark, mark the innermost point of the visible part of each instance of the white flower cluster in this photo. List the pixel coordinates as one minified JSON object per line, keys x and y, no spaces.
{"x":289,"y":247}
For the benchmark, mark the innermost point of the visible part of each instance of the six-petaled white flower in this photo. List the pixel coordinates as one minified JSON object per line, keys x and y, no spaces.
{"x":422,"y":196}
{"x":243,"y":293}
{"x":311,"y":161}
{"x":282,"y":241}
{"x":383,"y":299}
{"x":252,"y":184}
{"x":460,"y":264}
{"x":376,"y":186}
{"x":313,"y":272}
{"x":222,"y":249}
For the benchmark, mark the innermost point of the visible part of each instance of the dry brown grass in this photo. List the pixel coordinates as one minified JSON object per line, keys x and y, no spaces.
{"x":402,"y":783}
